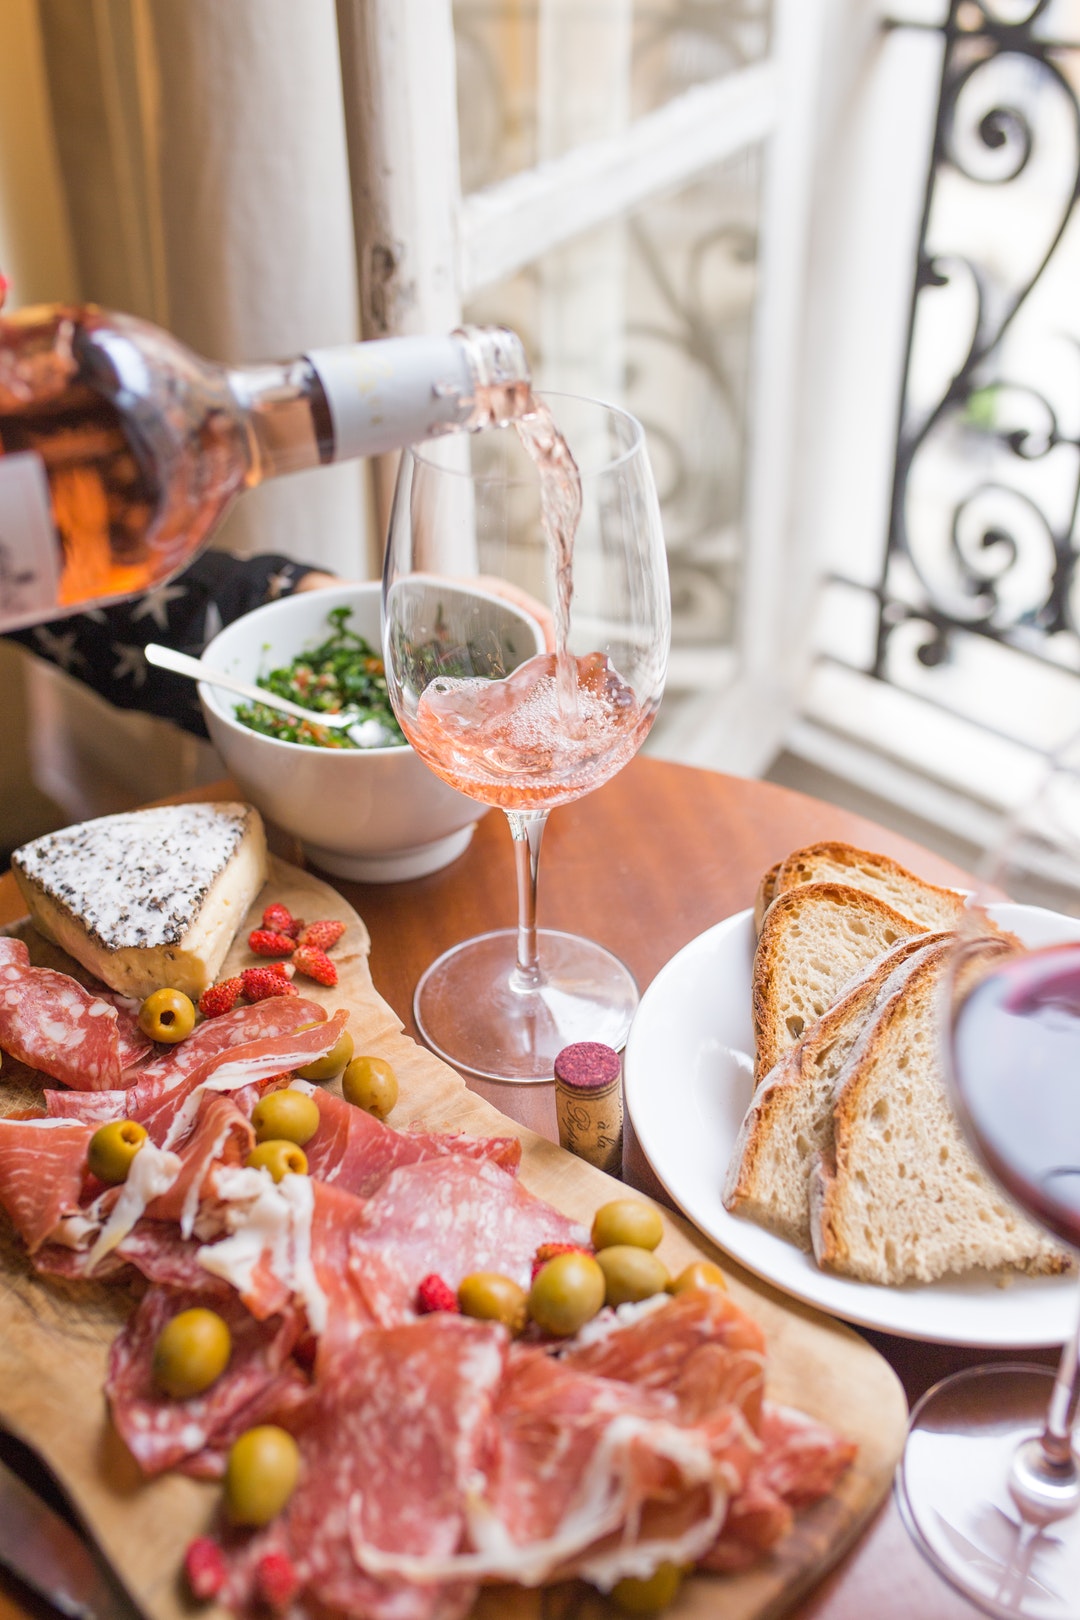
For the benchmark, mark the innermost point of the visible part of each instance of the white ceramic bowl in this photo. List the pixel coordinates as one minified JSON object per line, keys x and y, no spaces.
{"x":375,"y":814}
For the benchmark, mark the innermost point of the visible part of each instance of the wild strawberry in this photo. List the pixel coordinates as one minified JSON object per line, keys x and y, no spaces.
{"x":548,"y":1251}
{"x":264,"y":942}
{"x":434,"y":1294}
{"x":314,"y":964}
{"x":276,"y":1580}
{"x":261,"y":982}
{"x":322,"y":935}
{"x":285,"y":969}
{"x":278,"y":918}
{"x":220,"y":998}
{"x":204,"y":1566}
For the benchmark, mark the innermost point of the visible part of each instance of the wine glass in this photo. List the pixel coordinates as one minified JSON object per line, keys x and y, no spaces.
{"x":989,"y":1485}
{"x":526,"y":625}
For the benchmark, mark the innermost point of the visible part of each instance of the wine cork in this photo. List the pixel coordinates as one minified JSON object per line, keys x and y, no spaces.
{"x":588,"y":1102}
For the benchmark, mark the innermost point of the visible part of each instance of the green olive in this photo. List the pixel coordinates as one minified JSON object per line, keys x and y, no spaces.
{"x":566,"y":1293}
{"x":630,"y":1273}
{"x":191,"y":1353}
{"x":285,"y":1116}
{"x":112,"y":1149}
{"x":651,"y":1595}
{"x":627,"y":1220}
{"x":281,"y":1158}
{"x":260,"y":1474}
{"x":325,"y":1068}
{"x":494,"y":1298}
{"x":698,"y":1274}
{"x":167,"y":1015}
{"x":371,"y":1084}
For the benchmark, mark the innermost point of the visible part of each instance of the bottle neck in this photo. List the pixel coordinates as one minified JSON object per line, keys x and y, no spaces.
{"x":362,"y":399}
{"x":386,"y":394}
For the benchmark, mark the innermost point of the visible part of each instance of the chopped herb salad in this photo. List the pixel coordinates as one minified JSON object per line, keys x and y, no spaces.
{"x":344,"y":672}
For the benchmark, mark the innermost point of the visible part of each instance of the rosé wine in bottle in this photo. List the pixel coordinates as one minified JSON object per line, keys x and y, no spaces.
{"x":121,"y":450}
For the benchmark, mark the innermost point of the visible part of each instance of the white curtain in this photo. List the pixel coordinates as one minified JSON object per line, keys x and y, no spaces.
{"x":184,"y":160}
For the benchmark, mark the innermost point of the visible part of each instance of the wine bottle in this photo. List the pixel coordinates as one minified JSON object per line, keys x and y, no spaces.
{"x":121,"y":450}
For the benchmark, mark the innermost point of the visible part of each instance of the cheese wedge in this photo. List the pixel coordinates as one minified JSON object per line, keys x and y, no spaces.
{"x":148,"y":899}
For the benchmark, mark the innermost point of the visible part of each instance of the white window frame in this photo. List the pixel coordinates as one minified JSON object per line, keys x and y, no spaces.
{"x":423,"y":249}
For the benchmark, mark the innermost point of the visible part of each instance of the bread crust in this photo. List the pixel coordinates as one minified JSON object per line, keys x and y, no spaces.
{"x":783,"y":1004}
{"x":834,"y":861}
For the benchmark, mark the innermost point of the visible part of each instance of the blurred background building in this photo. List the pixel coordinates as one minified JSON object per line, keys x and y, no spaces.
{"x":825,"y":249}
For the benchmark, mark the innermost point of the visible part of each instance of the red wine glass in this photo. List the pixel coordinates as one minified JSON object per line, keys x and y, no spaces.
{"x":989,"y":1485}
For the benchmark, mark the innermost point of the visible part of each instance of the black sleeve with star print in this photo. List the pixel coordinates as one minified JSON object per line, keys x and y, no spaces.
{"x":104,"y":647}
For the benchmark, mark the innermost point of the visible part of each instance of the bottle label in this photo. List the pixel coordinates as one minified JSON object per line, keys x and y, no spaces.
{"x":29,"y":553}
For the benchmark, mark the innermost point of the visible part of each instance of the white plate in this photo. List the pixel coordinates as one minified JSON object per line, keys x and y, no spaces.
{"x":689,"y":1078}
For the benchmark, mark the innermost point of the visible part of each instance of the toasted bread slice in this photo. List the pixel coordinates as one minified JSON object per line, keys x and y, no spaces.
{"x":923,"y":902}
{"x":788,"y":1125}
{"x":899,"y":1197}
{"x":766,"y":894}
{"x":813,"y":940}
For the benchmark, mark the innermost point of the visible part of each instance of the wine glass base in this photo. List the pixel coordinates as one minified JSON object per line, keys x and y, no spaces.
{"x":470,"y":1013}
{"x":952,"y":1489}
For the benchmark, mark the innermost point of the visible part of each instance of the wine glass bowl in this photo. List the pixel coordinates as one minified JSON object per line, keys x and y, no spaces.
{"x":989,"y":1485}
{"x":577,"y":546}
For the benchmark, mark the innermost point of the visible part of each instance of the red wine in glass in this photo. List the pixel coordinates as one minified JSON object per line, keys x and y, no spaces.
{"x":989,"y":1485}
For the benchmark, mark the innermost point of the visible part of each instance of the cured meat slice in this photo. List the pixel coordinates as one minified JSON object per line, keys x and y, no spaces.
{"x":222,"y":1135}
{"x":260,"y":1384}
{"x":356,"y":1151}
{"x":50,"y":1023}
{"x":134,"y":1048}
{"x":389,"y":1448}
{"x":800,"y":1462}
{"x":169,"y":1112}
{"x":42,"y":1169}
{"x":278,"y":1015}
{"x":700,"y":1346}
{"x":617,"y":1456}
{"x":448,"y":1215}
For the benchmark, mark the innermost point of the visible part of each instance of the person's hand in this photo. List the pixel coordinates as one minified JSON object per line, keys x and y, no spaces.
{"x":315,"y":581}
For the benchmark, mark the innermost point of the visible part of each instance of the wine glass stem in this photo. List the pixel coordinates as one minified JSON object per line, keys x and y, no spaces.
{"x":1061,"y":1414}
{"x":1044,"y":1479}
{"x":527,"y":831}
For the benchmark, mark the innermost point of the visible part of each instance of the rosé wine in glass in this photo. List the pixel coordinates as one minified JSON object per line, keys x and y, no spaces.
{"x":557,"y":517}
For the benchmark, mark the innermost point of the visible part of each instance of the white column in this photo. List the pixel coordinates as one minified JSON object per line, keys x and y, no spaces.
{"x":400,"y":93}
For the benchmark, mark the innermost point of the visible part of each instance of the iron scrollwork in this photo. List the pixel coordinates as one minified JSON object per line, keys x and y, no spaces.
{"x":986,"y":489}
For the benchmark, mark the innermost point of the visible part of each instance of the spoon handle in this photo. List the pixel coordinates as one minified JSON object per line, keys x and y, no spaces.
{"x":196,"y":670}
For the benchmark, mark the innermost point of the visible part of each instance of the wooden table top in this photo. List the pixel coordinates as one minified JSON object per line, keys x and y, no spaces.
{"x":644,"y":865}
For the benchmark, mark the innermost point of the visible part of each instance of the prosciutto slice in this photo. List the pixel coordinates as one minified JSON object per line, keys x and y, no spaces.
{"x":169,"y":1113}
{"x":603,"y":1476}
{"x":355,"y":1151}
{"x":260,"y":1384}
{"x":389,"y":1448}
{"x":50,"y":1023}
{"x":800,"y":1462}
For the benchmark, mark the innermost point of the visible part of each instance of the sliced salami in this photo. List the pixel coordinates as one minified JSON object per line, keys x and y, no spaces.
{"x":447,"y":1215}
{"x":42,"y":1170}
{"x":260,"y":1384}
{"x":50,"y":1023}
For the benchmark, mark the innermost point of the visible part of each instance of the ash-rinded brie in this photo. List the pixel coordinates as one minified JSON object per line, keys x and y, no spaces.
{"x":148,"y":899}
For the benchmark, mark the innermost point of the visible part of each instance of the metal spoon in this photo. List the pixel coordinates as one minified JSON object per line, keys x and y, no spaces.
{"x":368,"y":733}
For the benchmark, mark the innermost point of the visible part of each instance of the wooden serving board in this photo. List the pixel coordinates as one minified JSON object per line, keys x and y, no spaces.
{"x":55,"y":1340}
